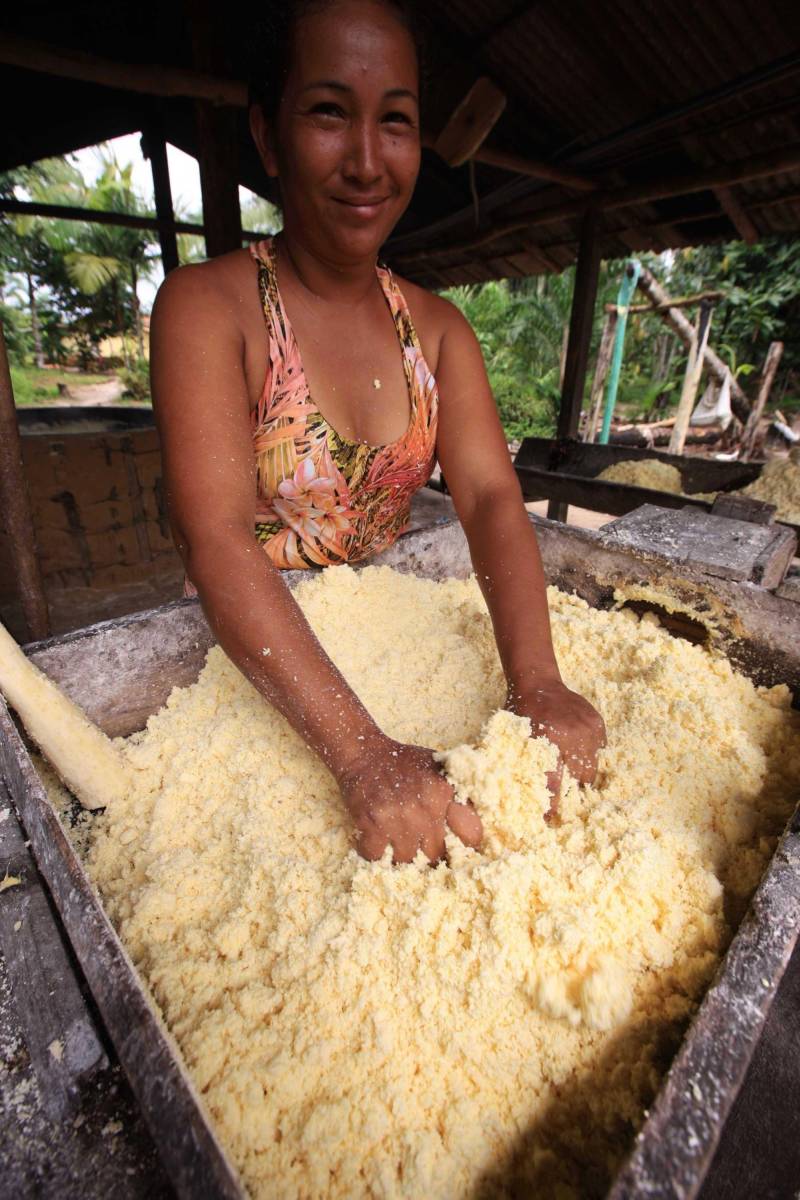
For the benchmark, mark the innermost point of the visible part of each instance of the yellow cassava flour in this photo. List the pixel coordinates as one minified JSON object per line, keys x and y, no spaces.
{"x":644,"y":472}
{"x":496,"y":1023}
{"x":778,"y":483}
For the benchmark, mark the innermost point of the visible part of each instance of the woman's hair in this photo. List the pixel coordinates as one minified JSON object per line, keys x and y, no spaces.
{"x":274,"y":44}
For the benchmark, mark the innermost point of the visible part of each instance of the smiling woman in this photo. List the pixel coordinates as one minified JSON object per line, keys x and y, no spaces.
{"x":303,"y":394}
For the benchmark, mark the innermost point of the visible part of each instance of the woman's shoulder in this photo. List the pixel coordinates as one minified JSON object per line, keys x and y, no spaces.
{"x":434,"y":317}
{"x":213,"y":288}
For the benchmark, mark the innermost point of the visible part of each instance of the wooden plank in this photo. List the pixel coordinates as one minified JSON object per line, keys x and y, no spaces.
{"x":471,"y":122}
{"x":61,"y":1036}
{"x":744,"y":508}
{"x":717,"y":545}
{"x":599,"y":495}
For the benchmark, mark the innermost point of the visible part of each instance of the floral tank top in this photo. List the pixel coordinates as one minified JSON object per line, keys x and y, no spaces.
{"x":321,"y":498}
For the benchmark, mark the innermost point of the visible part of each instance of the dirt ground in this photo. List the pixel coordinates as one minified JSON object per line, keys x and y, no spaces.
{"x":107,"y":392}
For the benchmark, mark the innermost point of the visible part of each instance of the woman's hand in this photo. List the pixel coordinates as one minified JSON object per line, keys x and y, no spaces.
{"x":568,"y":721}
{"x":397,"y":797}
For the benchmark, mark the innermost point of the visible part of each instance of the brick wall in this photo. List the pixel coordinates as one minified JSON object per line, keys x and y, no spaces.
{"x":98,"y":509}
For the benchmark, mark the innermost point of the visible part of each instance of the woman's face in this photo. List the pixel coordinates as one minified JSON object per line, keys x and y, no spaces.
{"x":347,"y":144}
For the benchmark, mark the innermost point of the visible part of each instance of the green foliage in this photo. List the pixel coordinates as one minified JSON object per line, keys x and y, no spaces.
{"x":74,"y":281}
{"x":34,"y":386}
{"x":519,"y":328}
{"x":136,"y":380}
{"x":26,"y":390}
{"x":761,"y":304}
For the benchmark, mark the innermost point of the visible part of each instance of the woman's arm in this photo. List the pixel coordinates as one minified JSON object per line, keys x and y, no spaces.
{"x":202,"y":410}
{"x":475,"y":461}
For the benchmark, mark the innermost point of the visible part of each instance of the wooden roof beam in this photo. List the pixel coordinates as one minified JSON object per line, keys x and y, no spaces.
{"x":519,"y":165}
{"x":166,"y":81}
{"x":67,"y":63}
{"x":740,"y":220}
{"x":64,"y":212}
{"x":757,"y":166}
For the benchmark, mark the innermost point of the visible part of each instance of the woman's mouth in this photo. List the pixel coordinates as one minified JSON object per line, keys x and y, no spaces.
{"x":363,"y":206}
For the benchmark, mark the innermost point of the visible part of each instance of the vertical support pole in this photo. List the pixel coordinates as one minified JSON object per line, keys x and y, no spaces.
{"x":771,"y":362}
{"x":626,"y":289}
{"x":217,"y":139}
{"x":600,"y":372}
{"x":16,"y":508}
{"x":580,"y":336}
{"x":691,"y":380}
{"x":154,"y":147}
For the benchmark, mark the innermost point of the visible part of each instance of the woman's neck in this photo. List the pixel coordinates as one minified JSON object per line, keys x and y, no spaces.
{"x":323,"y":278}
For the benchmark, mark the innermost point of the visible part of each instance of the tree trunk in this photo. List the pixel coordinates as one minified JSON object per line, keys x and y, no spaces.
{"x":767,"y":376}
{"x":649,"y":285}
{"x":691,"y":382}
{"x":121,"y":326}
{"x":137,"y":312}
{"x":38,"y":352}
{"x":665,"y":353}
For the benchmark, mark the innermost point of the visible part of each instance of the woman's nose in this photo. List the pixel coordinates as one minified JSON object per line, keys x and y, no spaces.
{"x":364,"y":161}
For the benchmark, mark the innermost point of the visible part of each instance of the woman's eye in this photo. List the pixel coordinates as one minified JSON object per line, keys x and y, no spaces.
{"x":327,"y":108}
{"x":401,"y":117}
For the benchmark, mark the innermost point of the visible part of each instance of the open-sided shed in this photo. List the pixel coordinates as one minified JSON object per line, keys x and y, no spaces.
{"x":674,"y":124}
{"x":554,"y":132}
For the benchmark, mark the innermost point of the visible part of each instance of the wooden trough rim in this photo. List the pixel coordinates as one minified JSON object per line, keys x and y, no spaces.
{"x":674,"y":1146}
{"x":620,"y":498}
{"x":171,"y":1105}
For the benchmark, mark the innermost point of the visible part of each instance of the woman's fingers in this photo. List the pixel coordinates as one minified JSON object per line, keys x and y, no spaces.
{"x":371,"y":842}
{"x":465,"y":824}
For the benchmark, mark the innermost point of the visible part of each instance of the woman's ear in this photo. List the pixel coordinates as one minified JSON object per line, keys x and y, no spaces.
{"x":261,"y":130}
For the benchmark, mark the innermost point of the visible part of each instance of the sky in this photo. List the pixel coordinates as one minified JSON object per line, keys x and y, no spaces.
{"x":184,"y":175}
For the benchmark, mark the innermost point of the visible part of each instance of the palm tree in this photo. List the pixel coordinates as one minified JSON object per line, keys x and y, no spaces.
{"x":24,"y":240}
{"x":114,"y":255}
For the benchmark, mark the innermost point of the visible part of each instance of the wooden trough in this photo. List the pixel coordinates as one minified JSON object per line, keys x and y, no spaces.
{"x":122,"y":671}
{"x":566,"y":470}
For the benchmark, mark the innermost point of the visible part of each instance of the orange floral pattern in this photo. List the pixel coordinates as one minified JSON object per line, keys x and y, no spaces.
{"x":322,"y":499}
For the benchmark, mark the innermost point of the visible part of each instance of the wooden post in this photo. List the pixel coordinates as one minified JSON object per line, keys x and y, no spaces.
{"x":154,"y":147}
{"x":767,"y":377}
{"x":562,"y":360}
{"x":600,"y":372}
{"x":580,"y":334}
{"x":691,"y":380}
{"x":648,"y":284}
{"x":217,"y":141}
{"x":16,"y":508}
